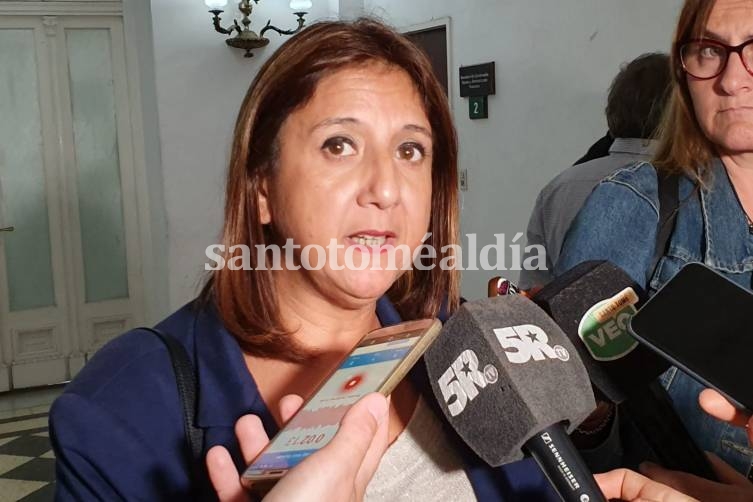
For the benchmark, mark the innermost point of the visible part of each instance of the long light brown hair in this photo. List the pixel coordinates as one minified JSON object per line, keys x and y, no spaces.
{"x":247,"y":300}
{"x":683,"y":147}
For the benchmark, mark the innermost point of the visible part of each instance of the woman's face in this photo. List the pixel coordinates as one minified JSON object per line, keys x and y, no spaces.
{"x":724,"y":105}
{"x":354,"y":171}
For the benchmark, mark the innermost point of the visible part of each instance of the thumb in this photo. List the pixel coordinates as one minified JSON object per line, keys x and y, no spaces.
{"x":357,"y":429}
{"x":718,"y":407}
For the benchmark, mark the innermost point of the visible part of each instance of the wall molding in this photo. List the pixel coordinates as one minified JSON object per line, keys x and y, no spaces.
{"x":62,"y":7}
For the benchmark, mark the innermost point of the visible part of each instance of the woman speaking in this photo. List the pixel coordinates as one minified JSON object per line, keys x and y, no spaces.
{"x":345,"y":136}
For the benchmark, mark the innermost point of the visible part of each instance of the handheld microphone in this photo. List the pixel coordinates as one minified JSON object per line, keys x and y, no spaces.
{"x":617,"y":365}
{"x":509,"y":381}
{"x":592,"y":303}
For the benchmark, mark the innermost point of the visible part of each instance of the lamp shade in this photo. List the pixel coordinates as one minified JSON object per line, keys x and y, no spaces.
{"x":215,"y":4}
{"x":300,"y":5}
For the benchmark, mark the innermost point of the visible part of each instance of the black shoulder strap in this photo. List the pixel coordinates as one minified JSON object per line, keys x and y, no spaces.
{"x":669,"y":202}
{"x":187,"y":389}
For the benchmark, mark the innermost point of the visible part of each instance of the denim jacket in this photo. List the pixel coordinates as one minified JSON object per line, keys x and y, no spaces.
{"x":618,"y":223}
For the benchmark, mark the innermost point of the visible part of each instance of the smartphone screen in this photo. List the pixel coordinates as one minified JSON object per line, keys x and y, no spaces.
{"x":363,"y":371}
{"x":703,"y":323}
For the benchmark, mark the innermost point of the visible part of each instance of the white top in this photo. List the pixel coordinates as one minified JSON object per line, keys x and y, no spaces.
{"x":420,"y":465}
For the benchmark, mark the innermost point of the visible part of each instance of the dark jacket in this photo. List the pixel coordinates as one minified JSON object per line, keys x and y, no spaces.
{"x":117,"y":430}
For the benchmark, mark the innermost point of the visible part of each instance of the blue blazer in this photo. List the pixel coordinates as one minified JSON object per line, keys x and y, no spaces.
{"x":117,"y":430}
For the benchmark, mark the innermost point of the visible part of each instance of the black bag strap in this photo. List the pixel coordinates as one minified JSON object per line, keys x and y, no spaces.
{"x":669,"y":203}
{"x":187,"y":390}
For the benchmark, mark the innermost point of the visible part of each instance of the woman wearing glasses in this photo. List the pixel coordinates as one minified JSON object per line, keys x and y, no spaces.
{"x":707,"y":139}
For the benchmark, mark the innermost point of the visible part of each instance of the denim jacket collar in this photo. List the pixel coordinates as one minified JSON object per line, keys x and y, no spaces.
{"x":728,"y":243}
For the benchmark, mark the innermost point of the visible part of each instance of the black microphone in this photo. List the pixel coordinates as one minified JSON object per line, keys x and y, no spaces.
{"x":509,"y":381}
{"x":592,"y":303}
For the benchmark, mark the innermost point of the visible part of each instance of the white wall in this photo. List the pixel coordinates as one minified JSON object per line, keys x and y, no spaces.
{"x":349,"y":9}
{"x":554,"y":61}
{"x":200,"y":85}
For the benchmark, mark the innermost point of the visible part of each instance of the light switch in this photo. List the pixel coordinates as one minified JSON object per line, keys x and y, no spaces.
{"x":464,"y":180}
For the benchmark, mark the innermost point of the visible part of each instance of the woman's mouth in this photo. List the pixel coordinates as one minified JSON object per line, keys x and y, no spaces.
{"x":373,"y":239}
{"x":738,"y":109}
{"x":368,"y":240}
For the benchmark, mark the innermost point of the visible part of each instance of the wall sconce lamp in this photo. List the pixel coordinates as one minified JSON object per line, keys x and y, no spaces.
{"x":245,"y":38}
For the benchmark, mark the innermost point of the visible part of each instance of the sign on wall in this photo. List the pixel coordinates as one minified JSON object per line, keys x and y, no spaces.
{"x":477,"y":82}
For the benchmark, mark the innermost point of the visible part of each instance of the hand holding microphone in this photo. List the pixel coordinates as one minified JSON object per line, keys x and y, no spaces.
{"x":662,"y":484}
{"x":658,"y":483}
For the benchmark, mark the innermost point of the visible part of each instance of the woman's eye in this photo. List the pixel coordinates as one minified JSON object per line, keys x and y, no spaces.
{"x":710,"y":51}
{"x":412,"y":152}
{"x":339,"y":147}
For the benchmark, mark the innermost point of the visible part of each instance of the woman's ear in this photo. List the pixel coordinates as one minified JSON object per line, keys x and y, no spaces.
{"x":265,"y":215}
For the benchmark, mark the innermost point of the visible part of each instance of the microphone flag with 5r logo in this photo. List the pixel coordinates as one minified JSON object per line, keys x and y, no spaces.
{"x":510,"y":382}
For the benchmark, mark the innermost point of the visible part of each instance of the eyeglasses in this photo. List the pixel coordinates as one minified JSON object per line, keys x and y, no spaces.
{"x":705,"y":59}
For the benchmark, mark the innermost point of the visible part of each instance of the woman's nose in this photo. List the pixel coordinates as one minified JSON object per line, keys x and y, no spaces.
{"x":381,"y":185}
{"x":735,"y":76}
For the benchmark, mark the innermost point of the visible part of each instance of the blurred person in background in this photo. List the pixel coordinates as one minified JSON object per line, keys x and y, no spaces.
{"x":635,"y":104}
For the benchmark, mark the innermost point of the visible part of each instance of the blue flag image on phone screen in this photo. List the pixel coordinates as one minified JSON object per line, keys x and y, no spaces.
{"x":313,"y":427}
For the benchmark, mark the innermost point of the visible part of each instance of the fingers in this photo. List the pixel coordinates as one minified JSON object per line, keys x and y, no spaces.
{"x":628,"y":485}
{"x":725,"y":472}
{"x":250,"y":431}
{"x":680,"y":481}
{"x":224,"y":476}
{"x":251,"y":436}
{"x":356,"y":448}
{"x":717,"y":406}
{"x":530,"y":293}
{"x":222,"y":472}
{"x":335,"y":472}
{"x":289,"y":405}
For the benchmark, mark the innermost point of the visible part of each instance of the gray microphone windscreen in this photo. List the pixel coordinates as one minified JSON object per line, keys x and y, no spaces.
{"x":502,"y":371}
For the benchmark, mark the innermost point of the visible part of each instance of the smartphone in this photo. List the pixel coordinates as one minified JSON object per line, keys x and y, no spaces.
{"x":702,"y":322}
{"x":378,"y":362}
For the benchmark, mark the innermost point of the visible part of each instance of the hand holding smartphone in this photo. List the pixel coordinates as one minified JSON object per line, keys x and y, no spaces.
{"x":377,"y":364}
{"x":702,"y":322}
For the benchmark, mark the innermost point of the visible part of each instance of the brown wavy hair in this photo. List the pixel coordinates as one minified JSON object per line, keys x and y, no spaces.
{"x":246,"y":300}
{"x":683,"y":148}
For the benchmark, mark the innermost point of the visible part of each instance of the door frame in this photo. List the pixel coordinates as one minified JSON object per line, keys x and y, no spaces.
{"x":446,"y":23}
{"x":148,"y":270}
